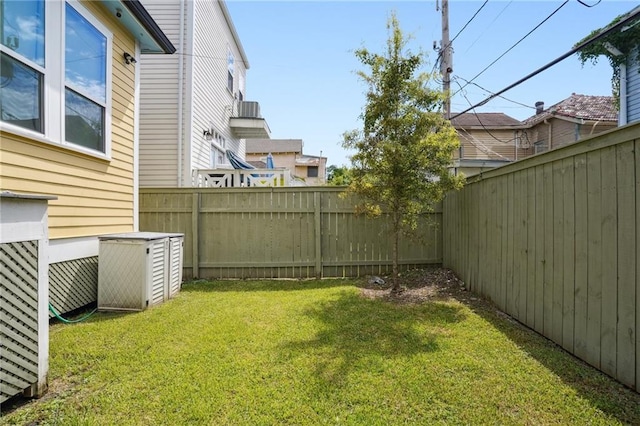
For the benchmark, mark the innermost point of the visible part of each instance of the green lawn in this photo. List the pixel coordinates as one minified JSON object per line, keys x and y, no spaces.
{"x":315,"y":352}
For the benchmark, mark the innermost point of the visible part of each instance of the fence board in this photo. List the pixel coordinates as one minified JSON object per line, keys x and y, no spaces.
{"x":548,"y":249}
{"x":538,"y":247}
{"x":626,"y":256}
{"x":568,"y":273}
{"x":518,"y":245}
{"x":483,"y":213}
{"x":594,"y":263}
{"x":523,"y":261}
{"x":493,"y":230}
{"x":581,"y":244}
{"x":609,"y":262}
{"x":530,"y":230}
{"x":504,"y":243}
{"x":510,"y":248}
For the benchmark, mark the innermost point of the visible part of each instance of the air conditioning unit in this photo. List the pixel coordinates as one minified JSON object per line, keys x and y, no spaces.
{"x":248,"y":109}
{"x":139,"y":269}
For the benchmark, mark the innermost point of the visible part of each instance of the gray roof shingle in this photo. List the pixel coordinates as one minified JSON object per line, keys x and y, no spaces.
{"x":585,"y":107}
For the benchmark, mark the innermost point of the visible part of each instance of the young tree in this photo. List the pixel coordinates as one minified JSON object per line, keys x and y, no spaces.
{"x":404,"y":150}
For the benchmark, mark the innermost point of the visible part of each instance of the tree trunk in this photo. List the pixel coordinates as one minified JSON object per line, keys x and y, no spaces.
{"x":394,"y":258}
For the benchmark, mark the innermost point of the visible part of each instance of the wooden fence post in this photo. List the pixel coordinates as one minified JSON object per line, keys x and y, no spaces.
{"x":195,"y":232}
{"x":318,"y":232}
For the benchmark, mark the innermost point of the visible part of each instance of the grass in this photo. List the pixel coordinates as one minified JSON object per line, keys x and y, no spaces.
{"x":261,"y":353}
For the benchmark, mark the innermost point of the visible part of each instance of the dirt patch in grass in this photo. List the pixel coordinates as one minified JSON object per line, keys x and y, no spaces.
{"x":421,"y":285}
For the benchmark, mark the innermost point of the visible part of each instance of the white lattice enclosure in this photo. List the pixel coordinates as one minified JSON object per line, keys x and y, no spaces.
{"x":73,"y":284}
{"x":137,"y":270}
{"x":24,"y":295}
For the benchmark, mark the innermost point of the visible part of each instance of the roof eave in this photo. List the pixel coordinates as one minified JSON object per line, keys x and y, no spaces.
{"x":485,"y":127}
{"x":141,"y":25}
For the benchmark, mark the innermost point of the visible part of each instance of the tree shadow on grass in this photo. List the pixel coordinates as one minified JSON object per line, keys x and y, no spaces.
{"x":603,"y":392}
{"x":358,"y":334}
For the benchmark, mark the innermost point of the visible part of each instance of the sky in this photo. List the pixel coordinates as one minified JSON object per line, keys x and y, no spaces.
{"x":303,"y":69}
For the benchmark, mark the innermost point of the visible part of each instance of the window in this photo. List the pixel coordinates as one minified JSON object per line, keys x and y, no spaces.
{"x":217,"y":157}
{"x":540,"y":146}
{"x":74,"y":80}
{"x":230,"y":69}
{"x":85,"y":81}
{"x":312,"y":171}
{"x":218,"y":146}
{"x":22,"y":64}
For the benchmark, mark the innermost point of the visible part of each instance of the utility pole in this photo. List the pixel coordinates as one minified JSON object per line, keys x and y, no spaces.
{"x":446,"y":61}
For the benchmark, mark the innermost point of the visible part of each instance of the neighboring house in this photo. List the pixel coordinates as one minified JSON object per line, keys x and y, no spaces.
{"x":568,"y":121}
{"x":487,"y":140}
{"x":69,"y":106}
{"x":193,"y":103}
{"x":287,"y":153}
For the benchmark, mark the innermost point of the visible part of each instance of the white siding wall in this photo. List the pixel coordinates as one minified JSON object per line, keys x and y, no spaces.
{"x":159,"y":106}
{"x":202,"y":54}
{"x":633,"y":89}
{"x":212,"y":102}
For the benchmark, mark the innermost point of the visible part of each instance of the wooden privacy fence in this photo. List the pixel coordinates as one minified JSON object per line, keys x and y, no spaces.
{"x":554,"y":241}
{"x":292,"y":232}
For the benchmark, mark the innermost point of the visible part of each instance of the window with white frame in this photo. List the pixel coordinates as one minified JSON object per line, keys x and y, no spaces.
{"x":55,"y":59}
{"x":230,"y":69}
{"x":217,"y":157}
{"x":218,"y":147}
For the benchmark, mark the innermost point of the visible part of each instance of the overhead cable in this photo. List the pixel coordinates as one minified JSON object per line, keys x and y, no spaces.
{"x":468,"y":22}
{"x":589,"y":5}
{"x":479,"y":120}
{"x":490,"y":92}
{"x":618,"y":25}
{"x":516,"y":43}
{"x":489,"y":26}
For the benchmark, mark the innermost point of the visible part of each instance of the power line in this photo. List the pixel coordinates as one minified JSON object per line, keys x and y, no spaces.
{"x":478,"y":118}
{"x":468,"y":22}
{"x":589,"y":5}
{"x":489,"y":26}
{"x":491,"y":93}
{"x":517,"y":43}
{"x":630,"y":17}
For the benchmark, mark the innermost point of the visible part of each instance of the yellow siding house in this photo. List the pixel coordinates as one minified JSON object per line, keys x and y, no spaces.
{"x":69,"y":100}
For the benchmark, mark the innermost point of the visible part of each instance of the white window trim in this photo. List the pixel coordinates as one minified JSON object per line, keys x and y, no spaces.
{"x":53,"y":98}
{"x":217,"y":147}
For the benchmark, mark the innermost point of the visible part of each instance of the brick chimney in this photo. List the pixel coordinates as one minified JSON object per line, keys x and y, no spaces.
{"x":539,"y":107}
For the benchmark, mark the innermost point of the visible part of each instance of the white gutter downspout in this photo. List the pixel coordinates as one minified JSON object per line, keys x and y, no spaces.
{"x":622,"y":112}
{"x":180,"y":97}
